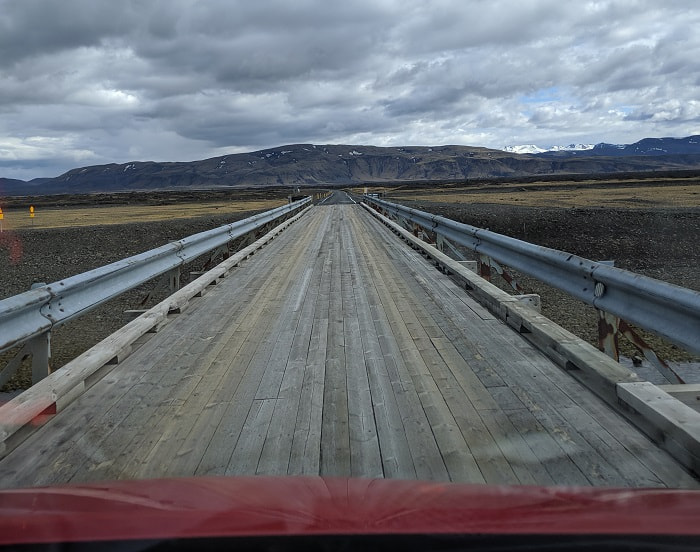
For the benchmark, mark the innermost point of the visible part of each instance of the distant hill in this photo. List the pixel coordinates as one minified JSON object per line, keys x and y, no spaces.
{"x":13,"y":187}
{"x":330,"y":165}
{"x":651,"y":146}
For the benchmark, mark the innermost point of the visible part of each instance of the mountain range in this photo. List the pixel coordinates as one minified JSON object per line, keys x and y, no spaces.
{"x":333,"y":165}
{"x":647,"y":146}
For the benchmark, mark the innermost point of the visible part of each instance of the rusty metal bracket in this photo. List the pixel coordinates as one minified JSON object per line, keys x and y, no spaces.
{"x":641,"y":345}
{"x":611,"y":327}
{"x":608,"y":334}
{"x":486,"y":263}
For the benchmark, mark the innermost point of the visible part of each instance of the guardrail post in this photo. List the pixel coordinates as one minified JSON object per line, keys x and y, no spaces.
{"x":174,"y":279}
{"x":608,"y":332}
{"x":40,"y":349}
{"x":485,"y":267}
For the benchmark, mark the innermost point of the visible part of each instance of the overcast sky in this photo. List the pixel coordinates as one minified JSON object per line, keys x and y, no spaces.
{"x":85,"y":82}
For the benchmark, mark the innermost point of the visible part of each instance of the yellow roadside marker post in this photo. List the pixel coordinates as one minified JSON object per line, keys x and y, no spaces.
{"x":31,"y":213}
{"x":2,"y":216}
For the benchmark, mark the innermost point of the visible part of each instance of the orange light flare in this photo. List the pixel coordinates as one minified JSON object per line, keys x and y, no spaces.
{"x":10,"y":241}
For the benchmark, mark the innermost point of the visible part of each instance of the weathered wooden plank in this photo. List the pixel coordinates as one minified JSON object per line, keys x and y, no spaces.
{"x":560,"y":467}
{"x":395,"y":451}
{"x":464,"y":376}
{"x":423,"y":363}
{"x":218,"y":454}
{"x":677,"y":422}
{"x":277,"y":450}
{"x":365,"y":457}
{"x":335,"y":442}
{"x":305,"y":453}
{"x":100,"y":439}
{"x":306,"y":445}
{"x":482,"y":439}
{"x":521,"y":458}
{"x":246,"y":454}
{"x":597,"y":436}
{"x":425,"y":450}
{"x":545,"y":408}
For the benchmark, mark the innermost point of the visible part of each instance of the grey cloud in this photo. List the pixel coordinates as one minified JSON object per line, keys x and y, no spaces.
{"x":171,"y":79}
{"x":34,"y":27}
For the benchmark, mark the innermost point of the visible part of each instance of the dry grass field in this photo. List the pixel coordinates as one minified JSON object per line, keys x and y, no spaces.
{"x":96,"y":215}
{"x":569,"y":195}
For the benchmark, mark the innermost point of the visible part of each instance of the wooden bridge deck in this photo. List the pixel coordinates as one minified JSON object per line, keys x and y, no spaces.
{"x":338,"y":351}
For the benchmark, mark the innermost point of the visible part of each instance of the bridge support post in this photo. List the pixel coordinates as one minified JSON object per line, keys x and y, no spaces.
{"x":174,"y":279}
{"x":485,"y":267}
{"x":446,"y":247}
{"x":608,"y":331}
{"x":40,"y":349}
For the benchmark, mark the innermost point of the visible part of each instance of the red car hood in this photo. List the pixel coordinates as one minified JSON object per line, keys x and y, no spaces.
{"x":271,"y":506}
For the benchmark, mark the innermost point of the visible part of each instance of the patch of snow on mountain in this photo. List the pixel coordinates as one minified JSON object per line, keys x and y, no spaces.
{"x":526,"y":148}
{"x":572,"y":147}
{"x":532,"y":148}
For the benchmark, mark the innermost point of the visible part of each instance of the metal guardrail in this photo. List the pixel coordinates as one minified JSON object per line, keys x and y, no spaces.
{"x":35,"y":312}
{"x":666,"y":309}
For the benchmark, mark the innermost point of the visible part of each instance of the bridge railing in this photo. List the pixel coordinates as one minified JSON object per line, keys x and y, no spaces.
{"x":29,"y":317}
{"x":665,"y":309}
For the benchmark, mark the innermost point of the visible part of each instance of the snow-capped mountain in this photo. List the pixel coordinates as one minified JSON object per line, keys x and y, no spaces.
{"x":531,"y":148}
{"x":572,"y":147}
{"x":525,"y":148}
{"x":645,"y":147}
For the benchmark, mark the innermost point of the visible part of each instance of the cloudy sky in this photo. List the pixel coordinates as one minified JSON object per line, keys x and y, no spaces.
{"x":85,"y":82}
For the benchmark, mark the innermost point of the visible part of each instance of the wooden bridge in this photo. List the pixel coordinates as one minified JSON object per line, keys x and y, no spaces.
{"x":338,"y":351}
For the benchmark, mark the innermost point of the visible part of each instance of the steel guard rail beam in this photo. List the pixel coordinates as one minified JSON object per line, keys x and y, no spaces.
{"x":666,"y":309}
{"x":37,"y":311}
